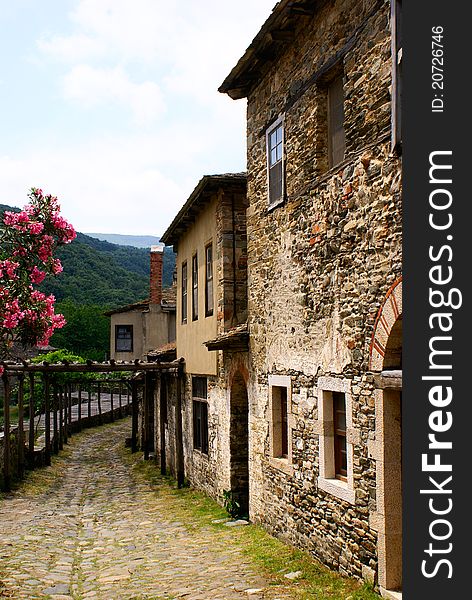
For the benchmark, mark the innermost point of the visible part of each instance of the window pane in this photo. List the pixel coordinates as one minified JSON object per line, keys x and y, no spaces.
{"x":184,"y":292}
{"x":275,"y":182}
{"x":279,"y":152}
{"x":199,"y":387}
{"x":279,"y":134}
{"x":273,"y":139}
{"x":124,"y":338}
{"x":194,"y":288}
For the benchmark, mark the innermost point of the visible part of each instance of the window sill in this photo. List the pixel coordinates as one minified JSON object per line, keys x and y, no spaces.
{"x":200,"y":453}
{"x":337,"y":488}
{"x":281,"y":464}
{"x":275,"y":204}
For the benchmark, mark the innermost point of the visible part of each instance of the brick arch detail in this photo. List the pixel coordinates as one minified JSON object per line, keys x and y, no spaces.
{"x":387,"y":316}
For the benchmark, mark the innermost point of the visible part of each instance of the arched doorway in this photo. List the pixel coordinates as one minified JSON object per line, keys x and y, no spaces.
{"x":386,"y":359}
{"x":239,"y":443}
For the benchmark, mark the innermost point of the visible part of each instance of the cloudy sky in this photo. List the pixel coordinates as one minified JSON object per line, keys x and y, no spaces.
{"x":112,"y":105}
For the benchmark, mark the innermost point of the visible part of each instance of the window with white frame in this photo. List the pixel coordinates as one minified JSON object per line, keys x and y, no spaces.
{"x":336,"y":473}
{"x":280,"y":420}
{"x":275,"y":162}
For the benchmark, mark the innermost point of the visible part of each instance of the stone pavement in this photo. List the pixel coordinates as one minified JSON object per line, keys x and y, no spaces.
{"x":98,"y":532}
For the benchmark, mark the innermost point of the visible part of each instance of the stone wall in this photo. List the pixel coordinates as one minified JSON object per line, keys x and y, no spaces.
{"x":319,"y":268}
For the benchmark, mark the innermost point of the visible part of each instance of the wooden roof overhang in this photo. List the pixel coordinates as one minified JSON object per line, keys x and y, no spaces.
{"x":275,"y":33}
{"x":236,"y":339}
{"x":138,"y":306}
{"x":206,"y":188}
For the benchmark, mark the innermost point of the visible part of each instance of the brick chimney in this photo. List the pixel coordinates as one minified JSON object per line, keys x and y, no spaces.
{"x":155,"y":278}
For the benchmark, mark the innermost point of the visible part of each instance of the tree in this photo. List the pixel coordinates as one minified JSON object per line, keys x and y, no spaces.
{"x":28,"y":240}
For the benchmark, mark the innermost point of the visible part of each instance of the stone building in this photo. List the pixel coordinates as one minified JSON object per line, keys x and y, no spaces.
{"x":323,"y":371}
{"x":139,"y":328}
{"x":193,"y":425}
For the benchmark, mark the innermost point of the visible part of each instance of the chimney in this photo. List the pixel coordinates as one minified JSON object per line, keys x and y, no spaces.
{"x":155,"y":278}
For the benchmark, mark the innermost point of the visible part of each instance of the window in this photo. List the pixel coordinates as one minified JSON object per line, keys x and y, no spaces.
{"x":336,"y":137}
{"x":194,"y":288}
{"x":200,"y":414}
{"x":337,"y":438}
{"x":340,"y":445}
{"x":396,"y":27}
{"x":184,"y":292}
{"x":209,"y":280}
{"x":280,"y":415}
{"x":279,"y":422}
{"x":123,"y":338}
{"x":275,"y":162}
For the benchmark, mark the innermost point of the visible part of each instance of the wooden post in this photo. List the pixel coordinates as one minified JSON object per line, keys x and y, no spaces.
{"x":61,"y":422}
{"x":99,"y":402}
{"x":69,"y":395}
{"x":47,"y":423}
{"x":55,"y":401}
{"x":179,"y":447}
{"x":79,"y":406}
{"x":6,"y":434}
{"x":134,"y":416}
{"x":162,"y":422}
{"x":31,"y":415}
{"x":145,"y":419}
{"x":120,"y":392}
{"x":89,"y":403}
{"x":65,"y":408}
{"x":111,"y":401}
{"x":21,"y":431}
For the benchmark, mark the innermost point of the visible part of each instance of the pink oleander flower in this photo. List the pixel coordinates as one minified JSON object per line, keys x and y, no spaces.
{"x":36,"y":228}
{"x":37,"y":276}
{"x":28,"y":240}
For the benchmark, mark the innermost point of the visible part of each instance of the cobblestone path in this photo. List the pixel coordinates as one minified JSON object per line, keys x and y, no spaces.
{"x":97,"y":531}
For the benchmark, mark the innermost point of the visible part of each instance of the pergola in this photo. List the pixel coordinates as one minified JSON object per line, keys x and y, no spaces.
{"x":61,"y":415}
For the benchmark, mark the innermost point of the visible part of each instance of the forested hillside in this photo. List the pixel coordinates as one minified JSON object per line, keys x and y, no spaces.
{"x":97,"y":276}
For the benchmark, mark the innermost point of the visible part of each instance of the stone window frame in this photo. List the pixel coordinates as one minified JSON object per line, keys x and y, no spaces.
{"x":327,"y":480}
{"x":280,"y":121}
{"x":283,"y":464}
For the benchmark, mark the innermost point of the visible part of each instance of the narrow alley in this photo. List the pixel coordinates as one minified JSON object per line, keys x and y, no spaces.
{"x":87,"y":527}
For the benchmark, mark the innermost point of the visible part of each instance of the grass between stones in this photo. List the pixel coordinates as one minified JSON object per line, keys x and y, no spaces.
{"x":267,"y":553}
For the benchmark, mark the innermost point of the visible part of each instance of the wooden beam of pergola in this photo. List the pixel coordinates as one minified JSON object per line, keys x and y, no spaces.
{"x":92,"y":367}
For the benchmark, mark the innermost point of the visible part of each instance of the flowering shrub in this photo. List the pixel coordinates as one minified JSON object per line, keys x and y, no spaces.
{"x":27,"y":242}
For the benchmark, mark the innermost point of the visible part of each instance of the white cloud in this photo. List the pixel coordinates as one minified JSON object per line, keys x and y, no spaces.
{"x":73,"y":48}
{"x":150,"y":57}
{"x":92,"y":87}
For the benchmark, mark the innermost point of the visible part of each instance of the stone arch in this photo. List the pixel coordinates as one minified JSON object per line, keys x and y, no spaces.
{"x":385,"y":356}
{"x":386,"y":338}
